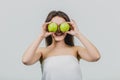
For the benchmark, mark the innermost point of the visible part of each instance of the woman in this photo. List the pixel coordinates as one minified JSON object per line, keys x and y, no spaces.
{"x":60,"y":58}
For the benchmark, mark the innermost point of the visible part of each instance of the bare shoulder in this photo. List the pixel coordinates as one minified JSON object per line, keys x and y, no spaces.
{"x":41,"y":50}
{"x":77,"y":49}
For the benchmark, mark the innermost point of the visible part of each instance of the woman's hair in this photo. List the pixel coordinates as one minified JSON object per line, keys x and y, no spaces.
{"x":69,"y":38}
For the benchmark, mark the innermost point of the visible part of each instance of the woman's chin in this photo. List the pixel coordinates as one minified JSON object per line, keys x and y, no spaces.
{"x":59,"y":38}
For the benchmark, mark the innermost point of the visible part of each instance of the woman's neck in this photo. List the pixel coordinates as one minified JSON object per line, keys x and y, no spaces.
{"x":59,"y":44}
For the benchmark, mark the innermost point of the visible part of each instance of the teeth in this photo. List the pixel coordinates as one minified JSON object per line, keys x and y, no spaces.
{"x":58,"y":34}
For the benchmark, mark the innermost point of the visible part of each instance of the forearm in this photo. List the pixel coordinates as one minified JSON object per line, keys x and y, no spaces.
{"x":30,"y":51}
{"x":91,"y":49}
{"x":90,"y":52}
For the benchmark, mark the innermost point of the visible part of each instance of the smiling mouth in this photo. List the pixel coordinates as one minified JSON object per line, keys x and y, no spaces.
{"x":59,"y":33}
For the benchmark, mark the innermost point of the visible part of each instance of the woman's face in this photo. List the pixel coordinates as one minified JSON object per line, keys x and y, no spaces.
{"x":58,"y":36}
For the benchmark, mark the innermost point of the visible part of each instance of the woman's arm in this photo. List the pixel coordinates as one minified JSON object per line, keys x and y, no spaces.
{"x":90,"y":52}
{"x":33,"y":53}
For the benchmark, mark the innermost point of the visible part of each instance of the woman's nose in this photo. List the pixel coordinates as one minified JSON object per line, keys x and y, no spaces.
{"x":58,"y":30}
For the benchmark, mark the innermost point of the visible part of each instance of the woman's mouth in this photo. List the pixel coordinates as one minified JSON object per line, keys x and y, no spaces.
{"x":59,"y":34}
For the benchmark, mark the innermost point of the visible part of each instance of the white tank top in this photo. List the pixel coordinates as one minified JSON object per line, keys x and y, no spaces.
{"x":65,"y":67}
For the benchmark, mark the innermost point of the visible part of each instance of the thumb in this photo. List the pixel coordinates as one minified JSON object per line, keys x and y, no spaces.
{"x":51,"y":33}
{"x":68,"y":32}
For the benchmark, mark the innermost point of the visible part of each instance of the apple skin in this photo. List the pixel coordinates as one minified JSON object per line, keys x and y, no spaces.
{"x":52,"y":27}
{"x":64,"y":27}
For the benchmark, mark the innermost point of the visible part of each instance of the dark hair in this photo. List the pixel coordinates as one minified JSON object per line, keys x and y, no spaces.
{"x":69,"y":38}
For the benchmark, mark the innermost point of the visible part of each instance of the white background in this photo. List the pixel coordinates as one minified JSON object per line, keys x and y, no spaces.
{"x":20,"y":23}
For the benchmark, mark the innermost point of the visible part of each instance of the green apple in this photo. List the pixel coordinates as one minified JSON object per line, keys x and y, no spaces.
{"x":64,"y":27}
{"x":52,"y":27}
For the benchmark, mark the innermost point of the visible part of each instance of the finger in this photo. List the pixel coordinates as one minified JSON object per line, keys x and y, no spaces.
{"x":71,"y":25}
{"x":72,"y":20}
{"x":48,"y":22}
{"x":68,"y":32}
{"x":69,"y":21}
{"x":50,"y":33}
{"x":45,"y":25}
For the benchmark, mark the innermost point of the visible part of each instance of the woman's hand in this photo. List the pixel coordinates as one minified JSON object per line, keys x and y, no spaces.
{"x":74,"y":28}
{"x":45,"y":32}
